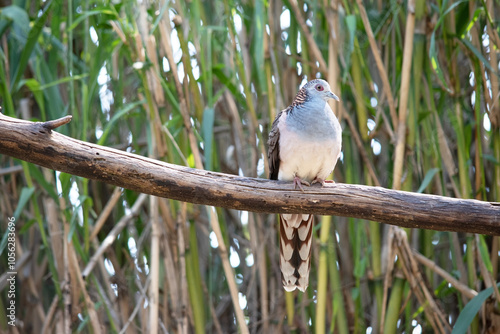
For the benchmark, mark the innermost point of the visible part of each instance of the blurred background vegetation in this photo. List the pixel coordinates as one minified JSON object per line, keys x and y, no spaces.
{"x":198,"y":83}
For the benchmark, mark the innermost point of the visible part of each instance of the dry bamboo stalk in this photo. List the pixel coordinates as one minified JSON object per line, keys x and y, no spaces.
{"x":494,"y":112}
{"x":106,"y":212}
{"x":94,"y":319}
{"x":166,"y":44}
{"x":253,"y":127}
{"x":65,"y":277}
{"x":233,"y":290}
{"x":457,"y":253}
{"x":50,"y":314}
{"x":463,"y":288}
{"x":172,"y":276}
{"x":361,"y":148}
{"x":152,"y":73}
{"x":54,"y":226}
{"x":391,"y":249}
{"x":110,"y":238}
{"x":255,"y":240}
{"x":238,"y":134}
{"x":139,"y":305}
{"x":380,"y":64}
{"x":182,"y":323}
{"x":404,"y":95}
{"x":262,"y":265}
{"x":154,"y":271}
{"x":333,"y":65}
{"x":107,"y":293}
{"x":11,"y":170}
{"x":433,"y":314}
{"x":313,"y":47}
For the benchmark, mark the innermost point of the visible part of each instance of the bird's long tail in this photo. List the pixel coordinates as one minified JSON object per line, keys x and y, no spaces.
{"x":295,"y":250}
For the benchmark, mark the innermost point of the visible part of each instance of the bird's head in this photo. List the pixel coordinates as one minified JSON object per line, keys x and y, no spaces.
{"x":319,"y":88}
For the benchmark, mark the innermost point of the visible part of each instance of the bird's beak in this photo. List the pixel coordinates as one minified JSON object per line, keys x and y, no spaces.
{"x":333,"y":96}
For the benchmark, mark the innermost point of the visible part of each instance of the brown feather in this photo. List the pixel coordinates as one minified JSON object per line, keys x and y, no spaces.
{"x":295,"y":250}
{"x":273,"y":154}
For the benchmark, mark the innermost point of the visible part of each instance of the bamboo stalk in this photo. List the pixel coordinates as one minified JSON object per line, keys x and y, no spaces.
{"x":380,"y":65}
{"x":110,"y":238}
{"x":322,"y":275}
{"x":228,"y":270}
{"x":154,"y":288}
{"x":167,"y":47}
{"x":182,"y":322}
{"x":313,"y":47}
{"x":110,"y":205}
{"x":403,"y":98}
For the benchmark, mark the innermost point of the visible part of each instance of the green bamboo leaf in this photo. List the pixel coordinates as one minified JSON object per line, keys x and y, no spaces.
{"x":115,"y":118}
{"x":473,"y":20}
{"x":350,"y":22}
{"x":37,"y":87}
{"x":485,"y":256}
{"x":226,"y":81}
{"x":258,"y":41}
{"x":31,"y":42}
{"x":73,"y":224}
{"x":14,"y":15}
{"x":88,"y":14}
{"x":478,"y":54}
{"x":26,"y":226}
{"x":26,"y":194}
{"x":434,"y":60}
{"x":427,"y":179}
{"x":491,"y":158}
{"x":8,"y":104}
{"x":34,"y":86}
{"x":432,"y":46}
{"x":470,"y":310}
{"x":40,"y":178}
{"x":208,"y":135}
{"x":65,"y":180}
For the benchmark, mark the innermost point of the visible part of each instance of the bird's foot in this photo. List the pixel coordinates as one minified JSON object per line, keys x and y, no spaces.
{"x":318,"y":180}
{"x":321,"y":181}
{"x":297,"y":181}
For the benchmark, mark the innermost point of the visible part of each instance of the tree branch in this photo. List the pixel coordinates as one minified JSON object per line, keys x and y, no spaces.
{"x":30,"y":141}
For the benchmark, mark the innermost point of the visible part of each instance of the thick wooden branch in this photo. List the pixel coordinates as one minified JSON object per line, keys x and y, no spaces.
{"x":38,"y":144}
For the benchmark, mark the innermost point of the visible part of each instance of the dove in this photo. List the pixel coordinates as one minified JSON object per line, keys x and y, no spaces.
{"x":304,"y":146}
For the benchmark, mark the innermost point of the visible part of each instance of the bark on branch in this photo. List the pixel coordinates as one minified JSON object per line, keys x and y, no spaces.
{"x":38,"y":144}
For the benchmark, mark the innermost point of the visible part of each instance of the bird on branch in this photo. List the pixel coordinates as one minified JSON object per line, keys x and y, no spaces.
{"x":304,"y":146}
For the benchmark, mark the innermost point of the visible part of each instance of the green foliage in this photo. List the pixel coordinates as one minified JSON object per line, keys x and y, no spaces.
{"x":470,"y":311}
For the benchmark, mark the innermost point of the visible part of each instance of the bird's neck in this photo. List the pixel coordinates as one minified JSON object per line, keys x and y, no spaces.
{"x":314,"y":119}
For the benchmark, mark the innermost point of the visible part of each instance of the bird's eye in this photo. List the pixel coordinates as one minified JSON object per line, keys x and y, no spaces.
{"x":319,"y":88}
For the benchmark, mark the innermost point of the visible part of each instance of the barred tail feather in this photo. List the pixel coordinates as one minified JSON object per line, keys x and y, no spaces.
{"x":295,"y":250}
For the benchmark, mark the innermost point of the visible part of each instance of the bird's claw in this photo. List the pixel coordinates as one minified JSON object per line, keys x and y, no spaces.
{"x":318,"y":180}
{"x":297,"y":181}
{"x":321,"y":181}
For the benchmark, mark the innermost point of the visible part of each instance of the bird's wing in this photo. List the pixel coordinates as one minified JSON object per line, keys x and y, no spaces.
{"x":273,"y":153}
